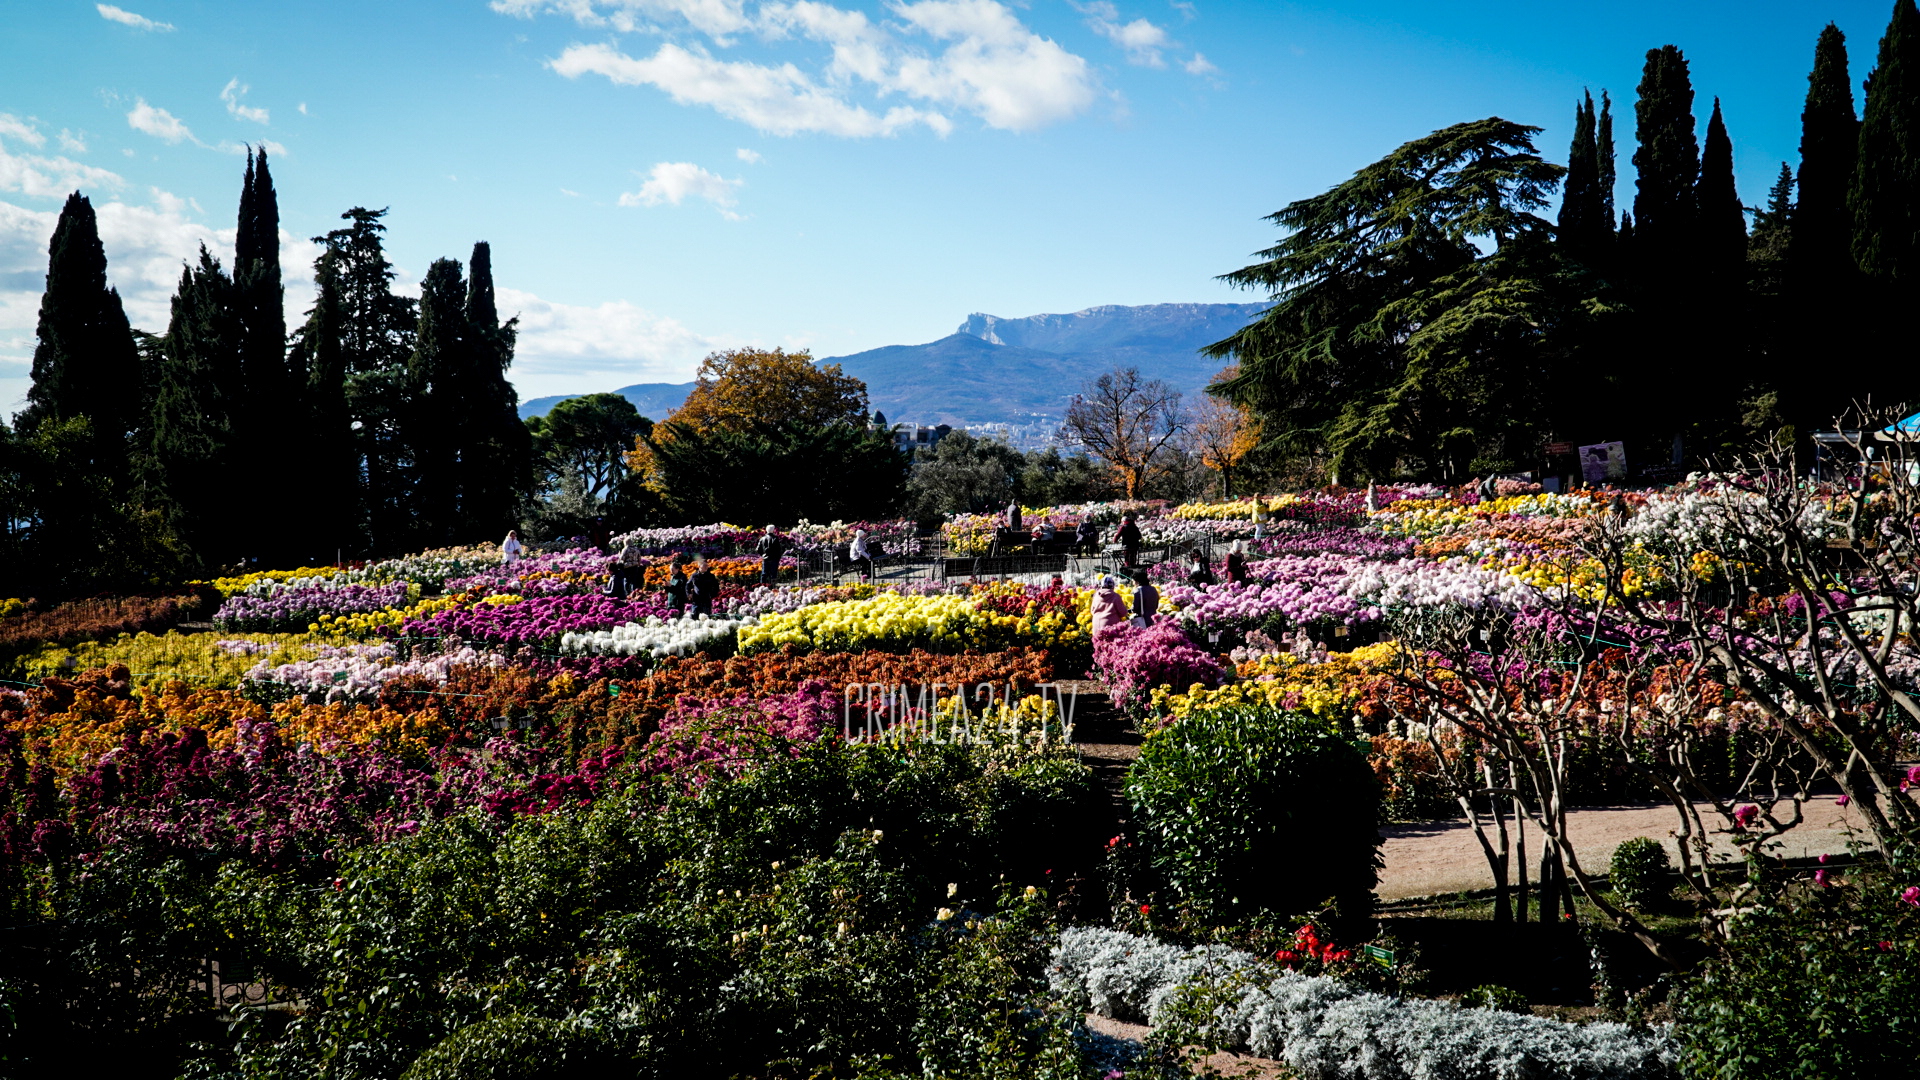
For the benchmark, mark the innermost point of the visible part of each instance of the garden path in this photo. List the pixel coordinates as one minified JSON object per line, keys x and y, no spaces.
{"x":1440,"y":857}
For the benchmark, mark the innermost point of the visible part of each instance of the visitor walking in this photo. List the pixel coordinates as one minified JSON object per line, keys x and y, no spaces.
{"x":678,"y":585}
{"x":1106,"y":605}
{"x":1146,"y":600}
{"x":510,"y":548}
{"x":704,"y":587}
{"x":1129,"y":537}
{"x":1237,"y":563}
{"x":858,"y":554}
{"x":1013,"y":517}
{"x":629,"y":571}
{"x":771,"y":547}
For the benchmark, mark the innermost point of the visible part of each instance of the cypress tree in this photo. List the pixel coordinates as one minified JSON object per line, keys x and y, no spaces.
{"x":1667,"y":161}
{"x":436,"y":375}
{"x":1580,"y":212}
{"x":85,"y":364}
{"x":320,"y":356}
{"x":1603,"y":155}
{"x":194,"y":449}
{"x":268,"y":418}
{"x":1722,"y":218}
{"x":1822,"y":231}
{"x":1886,"y":183}
{"x":496,"y":465}
{"x":1773,"y":227}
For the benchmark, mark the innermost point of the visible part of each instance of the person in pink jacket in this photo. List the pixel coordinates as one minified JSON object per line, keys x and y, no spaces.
{"x":1108,"y":608}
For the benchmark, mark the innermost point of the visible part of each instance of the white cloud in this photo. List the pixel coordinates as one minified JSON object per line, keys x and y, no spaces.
{"x":676,"y":181}
{"x":747,"y":156}
{"x":73,"y":143}
{"x":778,"y":101}
{"x":711,"y":17}
{"x":1185,"y":8}
{"x":158,"y":123}
{"x":303,"y":108}
{"x":987,"y":63}
{"x":13,"y":127}
{"x":128,"y":18}
{"x":232,"y":93}
{"x":1141,"y":39}
{"x":43,"y":177}
{"x":1199,"y":65}
{"x":569,"y":348}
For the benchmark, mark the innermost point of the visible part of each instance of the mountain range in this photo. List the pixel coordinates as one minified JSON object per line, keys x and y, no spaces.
{"x":1014,"y":371}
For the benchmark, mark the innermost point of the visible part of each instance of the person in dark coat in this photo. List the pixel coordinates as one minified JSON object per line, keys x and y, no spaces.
{"x":1013,"y":517}
{"x":1237,"y":563}
{"x":679,"y":586}
{"x":1200,"y":573}
{"x":1087,"y":536}
{"x":771,"y":547}
{"x":704,"y":588}
{"x":1129,"y":537}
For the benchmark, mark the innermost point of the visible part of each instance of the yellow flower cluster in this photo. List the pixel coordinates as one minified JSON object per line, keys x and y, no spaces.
{"x":12,"y":606}
{"x":1233,"y":509}
{"x":366,"y":624}
{"x":227,"y":586}
{"x":191,"y":658}
{"x":891,"y":621}
{"x":1327,"y":689}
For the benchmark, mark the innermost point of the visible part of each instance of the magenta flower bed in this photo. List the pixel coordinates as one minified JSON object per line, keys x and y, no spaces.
{"x":725,"y":735}
{"x":536,"y":621}
{"x":1133,"y":661}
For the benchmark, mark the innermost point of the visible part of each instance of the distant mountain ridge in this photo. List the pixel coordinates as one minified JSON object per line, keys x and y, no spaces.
{"x":997,"y":370}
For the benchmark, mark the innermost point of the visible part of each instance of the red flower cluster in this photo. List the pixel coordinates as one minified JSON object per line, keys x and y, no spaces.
{"x":1308,"y":948}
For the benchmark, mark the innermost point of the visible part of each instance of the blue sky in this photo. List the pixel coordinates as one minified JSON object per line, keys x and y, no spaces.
{"x":659,"y":178}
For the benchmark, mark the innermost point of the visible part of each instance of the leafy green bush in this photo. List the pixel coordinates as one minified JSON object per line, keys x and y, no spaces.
{"x":514,"y":1048}
{"x":1818,"y":980}
{"x":1639,"y":871}
{"x":1498,"y":998}
{"x":1242,"y":811}
{"x":830,"y":911}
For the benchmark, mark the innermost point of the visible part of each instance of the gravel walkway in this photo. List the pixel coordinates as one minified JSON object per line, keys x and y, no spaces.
{"x":1444,"y":857}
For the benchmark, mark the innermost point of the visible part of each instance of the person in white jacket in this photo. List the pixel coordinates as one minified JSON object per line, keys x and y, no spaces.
{"x":510,"y":548}
{"x":859,"y":555}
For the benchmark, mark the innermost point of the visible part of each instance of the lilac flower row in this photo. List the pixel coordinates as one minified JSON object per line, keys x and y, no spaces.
{"x":536,"y":621}
{"x":292,"y":609}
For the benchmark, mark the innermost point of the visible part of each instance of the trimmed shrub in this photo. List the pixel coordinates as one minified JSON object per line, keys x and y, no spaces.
{"x":1639,"y":871}
{"x":1252,"y":810}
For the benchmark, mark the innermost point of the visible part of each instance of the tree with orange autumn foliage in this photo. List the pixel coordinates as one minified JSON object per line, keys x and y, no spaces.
{"x":1223,"y":433}
{"x":744,"y":390}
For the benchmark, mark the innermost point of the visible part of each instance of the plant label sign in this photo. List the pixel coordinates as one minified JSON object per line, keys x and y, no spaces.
{"x":1383,"y":957}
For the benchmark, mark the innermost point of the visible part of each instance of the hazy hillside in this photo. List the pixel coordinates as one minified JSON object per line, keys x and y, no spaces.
{"x":995,"y":369}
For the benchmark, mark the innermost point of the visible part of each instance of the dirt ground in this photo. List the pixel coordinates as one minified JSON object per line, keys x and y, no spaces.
{"x":1444,"y":857}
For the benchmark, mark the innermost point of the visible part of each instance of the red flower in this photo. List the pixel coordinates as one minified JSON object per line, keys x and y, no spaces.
{"x":1145,"y":910}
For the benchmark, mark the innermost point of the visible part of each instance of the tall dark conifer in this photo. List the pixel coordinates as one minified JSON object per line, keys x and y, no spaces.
{"x":1722,"y":217}
{"x":269,"y":417}
{"x":1581,"y":218}
{"x":437,"y":374}
{"x":495,"y":451}
{"x":1822,"y":233}
{"x":1667,"y":161}
{"x":1603,"y":156}
{"x":85,"y":364}
{"x":319,"y":355}
{"x":1885,"y":198}
{"x":194,"y":452}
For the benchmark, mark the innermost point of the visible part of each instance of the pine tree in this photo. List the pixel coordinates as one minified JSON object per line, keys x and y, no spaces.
{"x":86,"y":364}
{"x":1668,"y":163}
{"x":194,"y":449}
{"x":319,"y":353}
{"x":1722,"y":217}
{"x":1822,"y":232}
{"x":1885,"y":198}
{"x":1773,"y":227}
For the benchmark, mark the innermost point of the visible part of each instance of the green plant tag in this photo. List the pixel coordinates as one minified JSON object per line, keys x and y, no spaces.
{"x":1383,"y":957}
{"x":613,"y":689}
